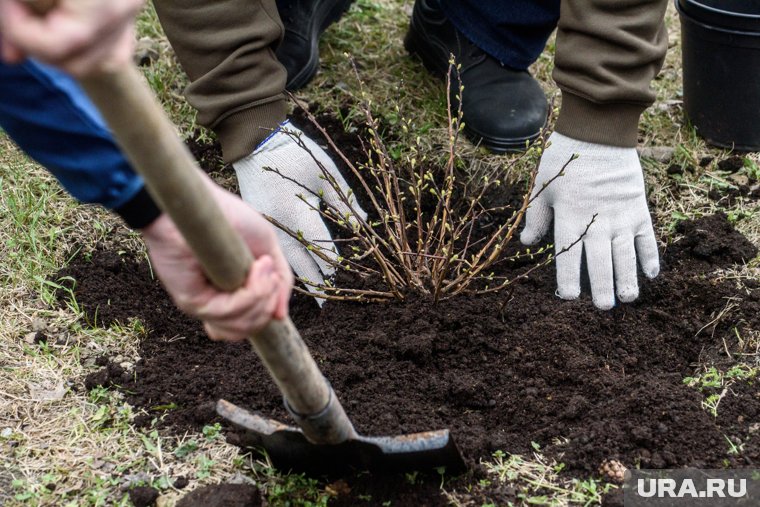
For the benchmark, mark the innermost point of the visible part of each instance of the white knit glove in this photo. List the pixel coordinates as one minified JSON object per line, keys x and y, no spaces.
{"x":283,"y":200}
{"x":602,"y":180}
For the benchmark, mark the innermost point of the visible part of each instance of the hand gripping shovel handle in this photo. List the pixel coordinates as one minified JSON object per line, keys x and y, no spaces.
{"x":173,"y":179}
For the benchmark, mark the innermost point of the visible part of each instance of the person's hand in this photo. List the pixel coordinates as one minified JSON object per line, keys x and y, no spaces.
{"x":234,"y":315}
{"x":605,"y":181}
{"x":77,"y":36}
{"x":283,"y":181}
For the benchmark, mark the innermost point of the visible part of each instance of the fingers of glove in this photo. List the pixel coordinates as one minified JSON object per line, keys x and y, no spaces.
{"x":600,"y":271}
{"x":322,"y":248}
{"x":334,"y":200}
{"x":236,"y":315}
{"x":646,"y":249}
{"x":331,"y":195}
{"x":568,"y":262}
{"x":624,"y":259}
{"x":303,"y":262}
{"x":537,"y":220}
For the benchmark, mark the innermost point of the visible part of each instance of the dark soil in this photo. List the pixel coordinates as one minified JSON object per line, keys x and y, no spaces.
{"x":503,"y":372}
{"x":499,"y":373}
{"x":223,"y":495}
{"x":730,"y":196}
{"x":208,"y":154}
{"x":713,"y":241}
{"x":143,"y":496}
{"x":731,"y":164}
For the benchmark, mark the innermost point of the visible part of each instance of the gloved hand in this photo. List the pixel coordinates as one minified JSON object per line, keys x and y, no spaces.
{"x":226,"y":315}
{"x":278,"y":197}
{"x":606,"y":181}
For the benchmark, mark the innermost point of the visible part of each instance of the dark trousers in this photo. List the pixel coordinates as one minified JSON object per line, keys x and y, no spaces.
{"x":512,"y":31}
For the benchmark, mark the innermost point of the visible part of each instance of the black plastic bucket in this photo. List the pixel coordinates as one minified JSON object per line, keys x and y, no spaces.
{"x":720,"y":41}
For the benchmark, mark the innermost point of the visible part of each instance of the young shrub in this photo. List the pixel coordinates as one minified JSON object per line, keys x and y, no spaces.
{"x":422,"y":236}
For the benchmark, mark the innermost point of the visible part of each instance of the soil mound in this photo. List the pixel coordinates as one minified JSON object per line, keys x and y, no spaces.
{"x":501,"y":372}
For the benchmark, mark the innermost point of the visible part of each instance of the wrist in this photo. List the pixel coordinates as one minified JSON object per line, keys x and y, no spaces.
{"x":140,"y":211}
{"x":562,"y":143}
{"x":242,"y":133}
{"x":157,"y":228}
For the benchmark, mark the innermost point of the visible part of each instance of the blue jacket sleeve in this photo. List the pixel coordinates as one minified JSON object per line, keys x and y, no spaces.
{"x":48,"y":115}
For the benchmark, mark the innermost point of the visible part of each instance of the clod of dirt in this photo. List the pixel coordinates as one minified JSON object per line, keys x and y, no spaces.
{"x":662,"y":154}
{"x":729,"y":196}
{"x":181,"y":482}
{"x":731,"y":164}
{"x":208,"y":155}
{"x":143,"y":496}
{"x":96,"y":379}
{"x":614,"y":498}
{"x":223,"y":495}
{"x":35,"y":338}
{"x":713,"y":240}
{"x":146,"y":52}
{"x":112,"y":374}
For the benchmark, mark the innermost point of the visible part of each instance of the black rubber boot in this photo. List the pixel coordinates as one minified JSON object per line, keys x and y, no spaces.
{"x":305,"y":21}
{"x":503,"y":109}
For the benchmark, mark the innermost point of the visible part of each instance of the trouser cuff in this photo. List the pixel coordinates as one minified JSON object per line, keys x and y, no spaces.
{"x":613,"y":124}
{"x":242,"y":131}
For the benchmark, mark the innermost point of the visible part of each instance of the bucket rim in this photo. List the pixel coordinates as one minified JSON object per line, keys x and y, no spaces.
{"x":718,"y":12}
{"x":685,"y":14}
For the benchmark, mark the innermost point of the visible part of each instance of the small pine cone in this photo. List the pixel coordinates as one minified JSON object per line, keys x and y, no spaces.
{"x":613,"y":471}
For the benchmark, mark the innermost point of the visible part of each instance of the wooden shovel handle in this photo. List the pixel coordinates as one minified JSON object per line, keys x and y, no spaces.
{"x":173,"y":179}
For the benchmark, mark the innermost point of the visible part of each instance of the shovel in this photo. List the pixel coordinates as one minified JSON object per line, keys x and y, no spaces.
{"x":325,"y":440}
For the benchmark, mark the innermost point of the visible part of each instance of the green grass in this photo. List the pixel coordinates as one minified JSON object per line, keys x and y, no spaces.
{"x":715,"y":384}
{"x":34,"y":209}
{"x":537,"y":481}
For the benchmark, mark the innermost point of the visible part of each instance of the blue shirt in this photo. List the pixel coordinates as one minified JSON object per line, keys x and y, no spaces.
{"x":49,"y":116}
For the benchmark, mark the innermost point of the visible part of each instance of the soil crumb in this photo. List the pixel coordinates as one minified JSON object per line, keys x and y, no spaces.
{"x":712,"y":240}
{"x":223,"y":495}
{"x":143,"y":496}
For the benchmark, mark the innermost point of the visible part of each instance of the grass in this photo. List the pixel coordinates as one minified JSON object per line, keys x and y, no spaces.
{"x":61,"y":445}
{"x":536,"y":481}
{"x":715,"y":384}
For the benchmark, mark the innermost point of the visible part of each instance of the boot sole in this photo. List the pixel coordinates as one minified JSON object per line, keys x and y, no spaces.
{"x":417,"y":46}
{"x":307,"y":73}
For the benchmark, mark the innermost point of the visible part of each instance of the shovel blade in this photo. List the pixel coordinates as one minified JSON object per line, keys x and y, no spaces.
{"x":289,"y":449}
